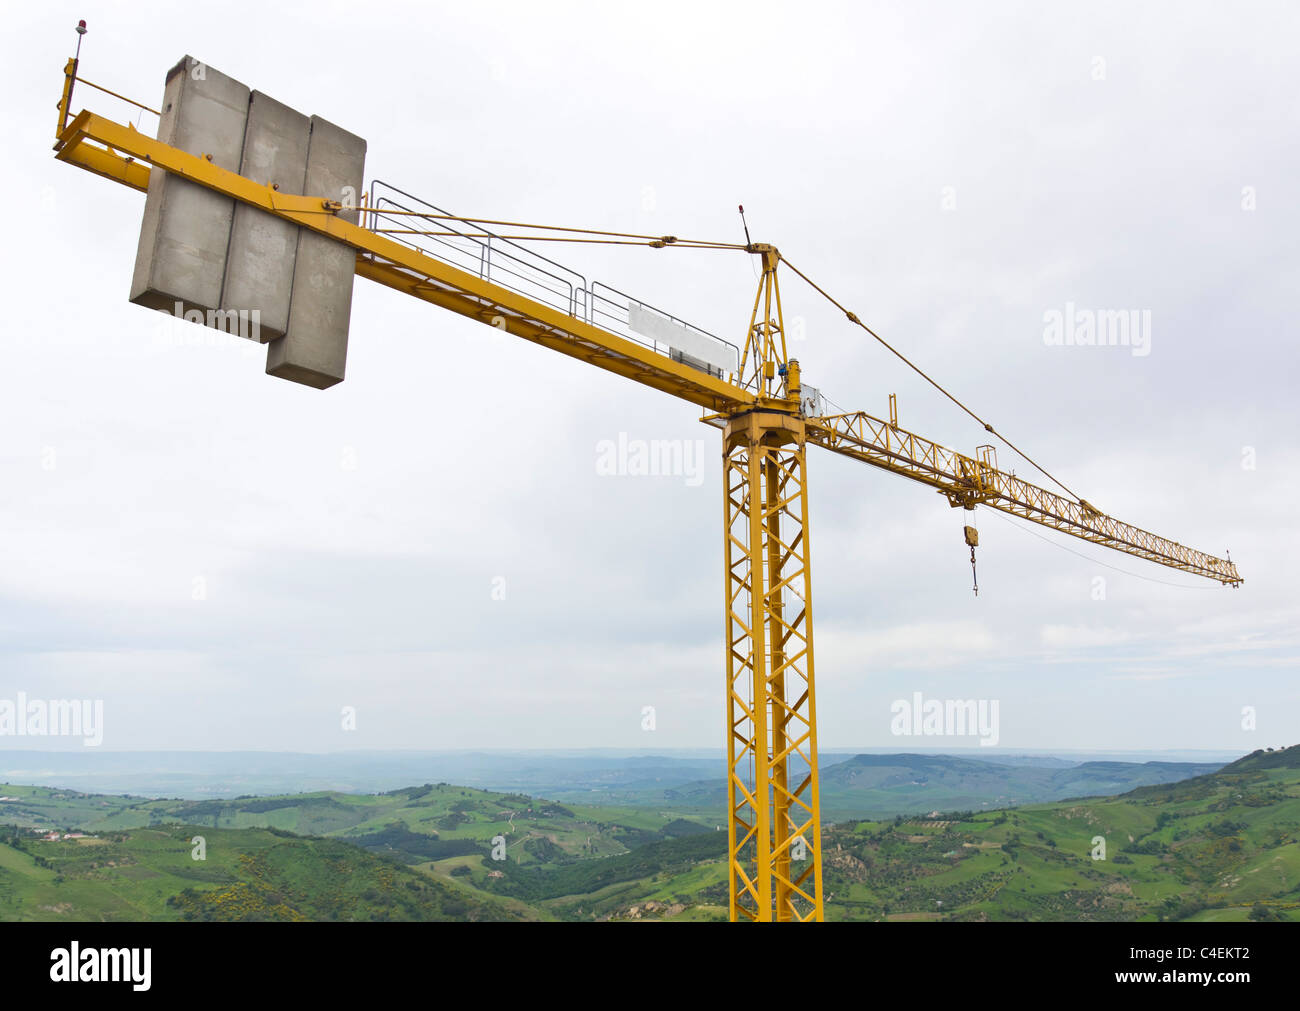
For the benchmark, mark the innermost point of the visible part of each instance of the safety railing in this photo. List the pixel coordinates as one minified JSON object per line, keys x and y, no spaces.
{"x":482,"y":253}
{"x":477,"y":250}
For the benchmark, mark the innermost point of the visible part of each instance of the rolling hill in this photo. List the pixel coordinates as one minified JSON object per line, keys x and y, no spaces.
{"x":1224,"y":845}
{"x":1221,"y":845}
{"x":425,"y":822}
{"x":247,"y":874}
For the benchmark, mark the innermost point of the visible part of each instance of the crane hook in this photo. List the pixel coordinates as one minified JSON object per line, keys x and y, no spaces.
{"x":973,"y":539}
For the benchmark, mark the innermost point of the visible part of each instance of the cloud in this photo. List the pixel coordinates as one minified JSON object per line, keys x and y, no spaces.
{"x":348,"y":542}
{"x":1077,"y":637}
{"x":925,"y":645}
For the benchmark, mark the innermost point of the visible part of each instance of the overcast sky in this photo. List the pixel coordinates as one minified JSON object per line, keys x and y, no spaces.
{"x":952,"y":174}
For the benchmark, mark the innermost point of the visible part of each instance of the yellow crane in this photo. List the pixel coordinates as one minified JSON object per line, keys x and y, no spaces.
{"x":767,"y":417}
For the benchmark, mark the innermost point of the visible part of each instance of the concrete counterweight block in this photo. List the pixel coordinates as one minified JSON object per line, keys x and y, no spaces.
{"x":259,"y":268}
{"x":314,"y":349}
{"x":186,"y":229}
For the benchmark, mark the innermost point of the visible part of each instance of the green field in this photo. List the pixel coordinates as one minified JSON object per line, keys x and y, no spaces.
{"x":248,"y":874}
{"x":535,"y":830}
{"x":1218,"y":847}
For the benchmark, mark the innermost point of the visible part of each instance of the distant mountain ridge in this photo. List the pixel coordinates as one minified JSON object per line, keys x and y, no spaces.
{"x":853,"y":786}
{"x":873,"y":786}
{"x":904,"y":784}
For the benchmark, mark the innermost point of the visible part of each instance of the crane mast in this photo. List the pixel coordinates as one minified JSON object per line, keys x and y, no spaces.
{"x":773,"y":823}
{"x":773,"y":819}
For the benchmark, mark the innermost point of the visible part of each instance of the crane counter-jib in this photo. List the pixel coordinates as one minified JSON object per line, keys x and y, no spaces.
{"x":402,"y":266}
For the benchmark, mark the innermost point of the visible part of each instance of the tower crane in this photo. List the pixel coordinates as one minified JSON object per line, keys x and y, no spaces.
{"x":753,"y":393}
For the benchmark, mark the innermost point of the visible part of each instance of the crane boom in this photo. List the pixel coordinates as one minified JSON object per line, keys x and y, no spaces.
{"x":774,"y":824}
{"x":968,"y":482}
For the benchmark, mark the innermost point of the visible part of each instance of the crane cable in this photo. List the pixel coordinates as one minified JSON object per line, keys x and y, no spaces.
{"x":662,"y":241}
{"x":1104,"y":565}
{"x":666,"y":240}
{"x":852,"y":317}
{"x":659,"y":242}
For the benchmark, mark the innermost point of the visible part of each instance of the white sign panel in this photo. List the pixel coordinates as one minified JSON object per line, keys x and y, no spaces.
{"x":813,"y":406}
{"x":680,"y":338}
